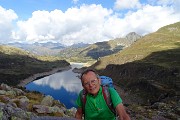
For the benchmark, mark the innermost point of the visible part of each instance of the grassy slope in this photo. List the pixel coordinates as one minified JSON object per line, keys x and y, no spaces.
{"x":94,"y":51}
{"x":150,"y":67}
{"x":16,"y":64}
{"x":166,"y":38}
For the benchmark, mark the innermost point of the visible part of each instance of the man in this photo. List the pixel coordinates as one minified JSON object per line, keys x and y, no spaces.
{"x":96,"y":107}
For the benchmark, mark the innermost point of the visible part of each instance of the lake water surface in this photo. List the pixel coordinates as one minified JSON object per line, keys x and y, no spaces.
{"x":63,"y":86}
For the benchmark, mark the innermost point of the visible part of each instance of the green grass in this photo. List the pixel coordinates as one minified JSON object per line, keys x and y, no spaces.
{"x":93,"y":51}
{"x":150,"y":67}
{"x":163,"y":41}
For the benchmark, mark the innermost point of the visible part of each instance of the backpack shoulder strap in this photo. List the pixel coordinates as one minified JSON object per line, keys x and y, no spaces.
{"x":83,"y":100}
{"x":107,"y":98}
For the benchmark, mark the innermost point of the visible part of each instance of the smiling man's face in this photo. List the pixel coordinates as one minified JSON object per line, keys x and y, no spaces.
{"x":91,"y":83}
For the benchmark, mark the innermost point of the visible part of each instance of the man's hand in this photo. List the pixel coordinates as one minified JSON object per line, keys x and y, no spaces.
{"x":79,"y":114}
{"x":122,"y":112}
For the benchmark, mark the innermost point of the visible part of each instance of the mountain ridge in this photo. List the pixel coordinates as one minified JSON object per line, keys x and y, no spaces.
{"x":148,"y":71}
{"x":143,"y":47}
{"x":94,"y":51}
{"x":151,"y":64}
{"x":48,"y":48}
{"x":17,"y":64}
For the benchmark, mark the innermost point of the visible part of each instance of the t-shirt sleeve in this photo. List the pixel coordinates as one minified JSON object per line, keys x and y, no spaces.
{"x":116,"y":99}
{"x":78,"y":101}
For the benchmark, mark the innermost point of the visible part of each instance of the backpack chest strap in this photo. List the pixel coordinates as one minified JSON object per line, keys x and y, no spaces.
{"x":107,"y":98}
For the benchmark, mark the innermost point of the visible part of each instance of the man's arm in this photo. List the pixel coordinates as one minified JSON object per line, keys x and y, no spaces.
{"x":122,"y":112}
{"x":79,"y":114}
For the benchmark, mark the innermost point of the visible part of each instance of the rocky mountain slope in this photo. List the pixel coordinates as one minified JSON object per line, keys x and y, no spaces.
{"x":147,"y":75}
{"x":16,"y":64}
{"x":148,"y":70}
{"x":99,"y":49}
{"x":48,"y":48}
{"x":87,"y":52}
{"x":154,"y":59}
{"x":161,"y":41}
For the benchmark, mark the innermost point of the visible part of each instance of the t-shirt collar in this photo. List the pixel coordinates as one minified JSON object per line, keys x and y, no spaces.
{"x":99,"y":92}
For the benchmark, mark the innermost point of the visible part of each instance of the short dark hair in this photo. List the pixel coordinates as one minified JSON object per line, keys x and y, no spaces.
{"x":88,"y":70}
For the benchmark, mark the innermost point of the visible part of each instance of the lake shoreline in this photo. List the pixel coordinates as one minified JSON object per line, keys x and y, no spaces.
{"x":24,"y":82}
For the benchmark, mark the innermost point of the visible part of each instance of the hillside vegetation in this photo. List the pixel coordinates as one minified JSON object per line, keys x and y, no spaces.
{"x":94,"y":51}
{"x":48,"y":48}
{"x":150,"y":67}
{"x":165,"y":39}
{"x":16,"y":64}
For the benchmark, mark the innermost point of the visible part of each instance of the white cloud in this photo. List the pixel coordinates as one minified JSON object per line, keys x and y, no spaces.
{"x":83,"y":24}
{"x":150,"y":18}
{"x":127,"y":4}
{"x":6,"y":25}
{"x":65,"y":79}
{"x":90,"y":23}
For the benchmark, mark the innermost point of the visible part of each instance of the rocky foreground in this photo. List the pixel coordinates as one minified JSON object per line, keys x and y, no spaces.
{"x":166,"y":109}
{"x":19,"y":104}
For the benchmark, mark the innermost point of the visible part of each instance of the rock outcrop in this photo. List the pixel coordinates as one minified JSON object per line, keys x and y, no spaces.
{"x":133,"y":36}
{"x":19,"y":104}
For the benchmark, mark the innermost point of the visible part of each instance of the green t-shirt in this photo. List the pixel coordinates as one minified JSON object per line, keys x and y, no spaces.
{"x":96,"y":107}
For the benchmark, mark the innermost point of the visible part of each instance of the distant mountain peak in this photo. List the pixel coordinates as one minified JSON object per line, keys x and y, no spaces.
{"x":79,"y":45}
{"x":132,"y":36}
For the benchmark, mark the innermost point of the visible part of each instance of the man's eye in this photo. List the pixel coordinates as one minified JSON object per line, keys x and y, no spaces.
{"x":86,"y":83}
{"x":93,"y":81}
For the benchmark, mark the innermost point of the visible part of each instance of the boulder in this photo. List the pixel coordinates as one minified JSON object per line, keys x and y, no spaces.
{"x":47,"y":101}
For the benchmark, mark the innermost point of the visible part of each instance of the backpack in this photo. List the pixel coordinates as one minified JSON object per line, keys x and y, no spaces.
{"x":106,"y":82}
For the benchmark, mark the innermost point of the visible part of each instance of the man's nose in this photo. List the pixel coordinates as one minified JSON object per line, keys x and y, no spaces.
{"x":90,"y":84}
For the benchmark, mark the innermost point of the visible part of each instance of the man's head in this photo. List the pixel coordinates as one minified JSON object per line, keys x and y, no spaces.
{"x":90,"y":81}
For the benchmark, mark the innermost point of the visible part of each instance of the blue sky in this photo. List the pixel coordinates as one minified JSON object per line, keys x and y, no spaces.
{"x":24,"y":8}
{"x":89,"y":21}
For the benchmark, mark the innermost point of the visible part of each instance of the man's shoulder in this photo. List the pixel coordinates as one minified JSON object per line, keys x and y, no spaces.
{"x":112,"y":89}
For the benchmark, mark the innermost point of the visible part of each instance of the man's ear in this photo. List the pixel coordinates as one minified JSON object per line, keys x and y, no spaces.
{"x":99,"y":79}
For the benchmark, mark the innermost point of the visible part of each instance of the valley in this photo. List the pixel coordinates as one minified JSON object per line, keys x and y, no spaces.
{"x":145,"y":69}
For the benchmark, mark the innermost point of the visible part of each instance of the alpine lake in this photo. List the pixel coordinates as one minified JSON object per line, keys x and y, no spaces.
{"x":63,"y":86}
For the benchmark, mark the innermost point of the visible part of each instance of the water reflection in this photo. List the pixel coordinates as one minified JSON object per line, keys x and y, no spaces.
{"x":67,"y":80}
{"x":63,"y":86}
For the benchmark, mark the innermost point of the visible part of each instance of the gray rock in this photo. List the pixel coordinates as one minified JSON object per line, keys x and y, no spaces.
{"x":47,"y":101}
{"x":11,"y":103}
{"x":132,"y":36}
{"x":2,"y":92}
{"x":11,"y":93}
{"x":5,"y":87}
{"x":8,"y":112}
{"x":23,"y":103}
{"x":53,"y":118}
{"x":41,"y":109}
{"x":18,"y":91}
{"x":55,"y":109}
{"x":5,"y":98}
{"x":46,"y":109}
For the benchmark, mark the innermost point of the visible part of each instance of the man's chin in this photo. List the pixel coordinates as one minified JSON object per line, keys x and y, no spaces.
{"x":93,"y":92}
